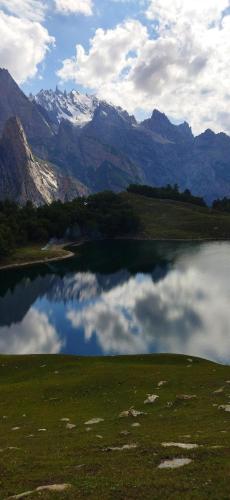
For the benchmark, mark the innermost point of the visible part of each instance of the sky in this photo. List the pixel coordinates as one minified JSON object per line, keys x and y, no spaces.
{"x":172,"y":55}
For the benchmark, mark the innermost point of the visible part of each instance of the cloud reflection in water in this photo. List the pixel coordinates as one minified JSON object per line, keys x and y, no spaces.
{"x":34,"y":334}
{"x":186,"y":312}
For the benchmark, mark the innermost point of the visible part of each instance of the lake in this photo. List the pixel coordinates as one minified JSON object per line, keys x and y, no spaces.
{"x":121,"y":297}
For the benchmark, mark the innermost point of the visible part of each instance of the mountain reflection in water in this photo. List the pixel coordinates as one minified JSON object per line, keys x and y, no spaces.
{"x":122,"y":297}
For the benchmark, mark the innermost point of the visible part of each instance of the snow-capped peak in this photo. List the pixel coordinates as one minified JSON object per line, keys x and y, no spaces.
{"x":73,"y":106}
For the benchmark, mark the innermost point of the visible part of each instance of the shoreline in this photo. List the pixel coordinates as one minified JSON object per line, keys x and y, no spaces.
{"x":37,"y":262}
{"x":70,"y":254}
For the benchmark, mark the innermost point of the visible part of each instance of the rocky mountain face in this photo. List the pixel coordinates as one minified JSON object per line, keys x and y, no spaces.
{"x":77,"y":108}
{"x":14,"y":103}
{"x":103,"y":147}
{"x":23,"y":177}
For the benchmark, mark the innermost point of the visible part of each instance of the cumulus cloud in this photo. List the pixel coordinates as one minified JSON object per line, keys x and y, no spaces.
{"x":28,"y":9}
{"x":186,"y":312}
{"x":34,"y":335}
{"x":84,"y":7}
{"x":23,"y":45}
{"x":179,"y":64}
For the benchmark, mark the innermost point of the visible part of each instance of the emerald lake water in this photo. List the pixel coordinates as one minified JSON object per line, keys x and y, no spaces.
{"x":121,"y":297}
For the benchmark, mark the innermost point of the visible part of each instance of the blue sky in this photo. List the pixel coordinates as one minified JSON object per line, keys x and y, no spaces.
{"x":172,"y":55}
{"x":72,"y":29}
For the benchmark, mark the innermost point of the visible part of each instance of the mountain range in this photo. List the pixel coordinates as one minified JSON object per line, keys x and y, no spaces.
{"x":60,"y":145}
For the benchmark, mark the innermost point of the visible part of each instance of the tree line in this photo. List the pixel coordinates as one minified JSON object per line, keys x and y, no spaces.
{"x":101,"y":215}
{"x":167,"y":192}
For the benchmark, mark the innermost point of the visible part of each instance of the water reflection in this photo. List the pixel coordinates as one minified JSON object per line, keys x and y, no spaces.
{"x":179,"y":304}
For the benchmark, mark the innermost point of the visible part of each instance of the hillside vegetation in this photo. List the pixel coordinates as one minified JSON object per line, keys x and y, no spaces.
{"x":169,"y":219}
{"x":132,"y":214}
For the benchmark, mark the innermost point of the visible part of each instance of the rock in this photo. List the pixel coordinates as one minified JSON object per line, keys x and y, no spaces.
{"x":175,"y":463}
{"x":131,"y":413}
{"x":15,"y":428}
{"x":94,"y":421}
{"x":70,"y":426}
{"x":136,"y":424}
{"x":185,"y":446}
{"x":161,"y":383}
{"x":218,"y":391}
{"x":99,"y":436}
{"x":64,"y":420}
{"x":54,"y":487}
{"x":59,"y":488}
{"x":88,"y":429}
{"x":21,"y":495}
{"x":151,"y":399}
{"x":224,"y":407}
{"x":121,"y":448}
{"x":124,"y":433}
{"x":186,"y":397}
{"x":42,"y":430}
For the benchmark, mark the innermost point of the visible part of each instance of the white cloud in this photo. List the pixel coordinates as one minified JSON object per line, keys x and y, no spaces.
{"x":34,"y":335}
{"x":179,"y":66}
{"x":27,"y":9}
{"x":110,"y":55}
{"x":23,"y":46}
{"x":84,"y":7}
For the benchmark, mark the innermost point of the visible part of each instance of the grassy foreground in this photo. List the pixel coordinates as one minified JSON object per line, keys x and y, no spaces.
{"x":37,"y":392}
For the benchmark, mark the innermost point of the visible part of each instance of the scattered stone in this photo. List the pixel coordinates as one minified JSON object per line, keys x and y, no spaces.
{"x":151,"y":399}
{"x":185,"y":446}
{"x":224,"y":407}
{"x":56,"y":373}
{"x":186,"y":397}
{"x":53,"y":487}
{"x":175,"y":463}
{"x":94,"y":421}
{"x":121,"y":448}
{"x":190,"y":360}
{"x":169,"y":404}
{"x":131,"y":413}
{"x":15,"y":428}
{"x":218,"y":391}
{"x":124,"y":433}
{"x":88,"y":429}
{"x":136,"y":424}
{"x":162,"y":382}
{"x":227,"y":381}
{"x":65,"y":420}
{"x":4,"y":417}
{"x":43,"y":366}
{"x":42,"y":430}
{"x":21,"y":495}
{"x":99,"y":436}
{"x":70,"y":426}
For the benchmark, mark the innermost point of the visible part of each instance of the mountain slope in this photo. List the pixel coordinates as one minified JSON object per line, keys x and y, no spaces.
{"x":23,"y":178}
{"x":13,"y":102}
